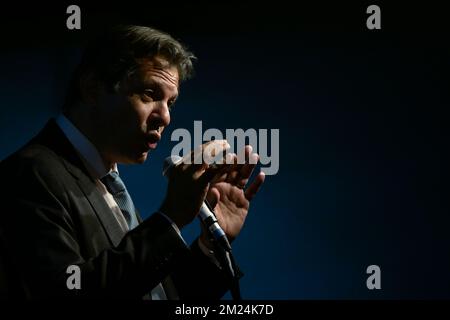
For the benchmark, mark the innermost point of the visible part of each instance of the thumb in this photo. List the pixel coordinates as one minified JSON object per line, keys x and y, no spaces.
{"x":213,"y":197}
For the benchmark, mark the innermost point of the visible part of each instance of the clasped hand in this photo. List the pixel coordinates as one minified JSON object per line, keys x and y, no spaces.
{"x":224,"y":186}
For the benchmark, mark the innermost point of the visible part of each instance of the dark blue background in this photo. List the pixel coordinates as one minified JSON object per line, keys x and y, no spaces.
{"x":364,"y":133}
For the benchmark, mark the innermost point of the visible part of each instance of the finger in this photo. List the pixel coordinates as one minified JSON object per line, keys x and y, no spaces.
{"x":191,"y":162}
{"x":242,"y":160}
{"x":196,"y":156}
{"x":210,"y":172}
{"x":203,"y":155}
{"x":229,"y":161}
{"x":213,"y":197}
{"x":192,"y":166}
{"x":247,"y":170}
{"x":233,"y":169}
{"x":243,"y":157}
{"x":244,"y":154}
{"x":253,"y":188}
{"x":214,"y":152}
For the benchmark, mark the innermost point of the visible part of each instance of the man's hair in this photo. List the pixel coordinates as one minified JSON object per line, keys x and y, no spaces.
{"x":114,"y":54}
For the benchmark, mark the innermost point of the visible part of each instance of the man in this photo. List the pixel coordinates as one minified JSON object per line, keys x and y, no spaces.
{"x":65,"y":205}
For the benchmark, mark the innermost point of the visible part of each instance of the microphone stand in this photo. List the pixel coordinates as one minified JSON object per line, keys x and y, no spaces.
{"x":225,"y":256}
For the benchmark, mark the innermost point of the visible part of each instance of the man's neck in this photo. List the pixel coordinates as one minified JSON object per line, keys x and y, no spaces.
{"x":82,"y":121}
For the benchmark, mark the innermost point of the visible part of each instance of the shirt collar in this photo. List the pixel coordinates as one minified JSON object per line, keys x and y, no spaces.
{"x":85,"y":148}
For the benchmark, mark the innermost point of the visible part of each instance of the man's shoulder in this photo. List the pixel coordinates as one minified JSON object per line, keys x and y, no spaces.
{"x":32,"y":159}
{"x":46,"y":154}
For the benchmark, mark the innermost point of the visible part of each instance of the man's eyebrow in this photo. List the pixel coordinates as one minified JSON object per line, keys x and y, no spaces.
{"x":158,"y":86}
{"x":173,"y":98}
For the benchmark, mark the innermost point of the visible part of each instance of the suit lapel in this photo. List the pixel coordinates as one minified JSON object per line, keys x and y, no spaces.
{"x":170,"y":289}
{"x":52,"y":137}
{"x":102,"y":210}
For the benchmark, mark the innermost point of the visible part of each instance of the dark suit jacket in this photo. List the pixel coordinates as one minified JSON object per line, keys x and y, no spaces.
{"x":53,"y":216}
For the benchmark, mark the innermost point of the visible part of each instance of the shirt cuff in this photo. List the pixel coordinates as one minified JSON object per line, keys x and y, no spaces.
{"x":209,"y":253}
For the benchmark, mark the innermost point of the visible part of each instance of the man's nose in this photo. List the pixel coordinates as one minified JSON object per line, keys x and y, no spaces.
{"x":163,"y":114}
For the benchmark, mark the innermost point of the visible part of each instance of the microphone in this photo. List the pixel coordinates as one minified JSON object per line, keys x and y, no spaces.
{"x":208,"y":218}
{"x":206,"y":214}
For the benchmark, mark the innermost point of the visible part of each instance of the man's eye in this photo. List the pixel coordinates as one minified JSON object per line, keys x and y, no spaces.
{"x":149,"y":93}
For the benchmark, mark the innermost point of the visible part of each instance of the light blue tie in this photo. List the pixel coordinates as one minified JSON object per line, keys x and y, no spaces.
{"x":119,"y":192}
{"x":117,"y":188}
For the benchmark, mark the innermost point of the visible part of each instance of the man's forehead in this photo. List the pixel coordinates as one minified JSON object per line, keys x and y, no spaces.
{"x":158,"y":67}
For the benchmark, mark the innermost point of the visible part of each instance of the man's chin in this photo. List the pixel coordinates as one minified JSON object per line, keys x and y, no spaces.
{"x":141,"y":159}
{"x":136,"y":159}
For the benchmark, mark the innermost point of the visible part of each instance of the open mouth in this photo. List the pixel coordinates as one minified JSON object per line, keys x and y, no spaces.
{"x":152,"y":140}
{"x":152,"y":145}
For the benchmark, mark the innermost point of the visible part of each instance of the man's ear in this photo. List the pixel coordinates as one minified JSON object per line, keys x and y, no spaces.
{"x":90,"y":88}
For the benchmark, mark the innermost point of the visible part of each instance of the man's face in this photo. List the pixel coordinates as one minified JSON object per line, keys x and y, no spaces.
{"x":133,"y":119}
